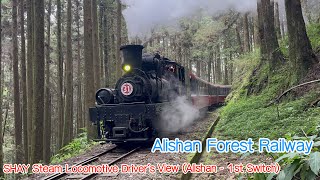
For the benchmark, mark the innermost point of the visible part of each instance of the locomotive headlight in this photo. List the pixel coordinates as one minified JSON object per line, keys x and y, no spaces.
{"x":126,"y":68}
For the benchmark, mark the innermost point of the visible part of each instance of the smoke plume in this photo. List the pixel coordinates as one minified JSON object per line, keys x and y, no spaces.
{"x":144,"y":15}
{"x":179,"y":114}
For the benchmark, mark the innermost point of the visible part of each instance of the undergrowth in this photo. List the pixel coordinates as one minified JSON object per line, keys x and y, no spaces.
{"x":248,"y":113}
{"x":74,"y":148}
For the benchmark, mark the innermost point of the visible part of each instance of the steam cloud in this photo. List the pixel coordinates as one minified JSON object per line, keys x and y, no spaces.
{"x":144,"y":15}
{"x":178,"y":115}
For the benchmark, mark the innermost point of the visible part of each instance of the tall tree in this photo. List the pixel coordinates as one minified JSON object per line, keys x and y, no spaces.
{"x":277,"y":20}
{"x":29,"y":73}
{"x":23,"y":82}
{"x":60,"y":77}
{"x":251,"y":32}
{"x":1,"y":137}
{"x":118,"y":64}
{"x":246,"y":38}
{"x":88,"y":65}
{"x":47,"y":104}
{"x":210,"y":63}
{"x":79,"y":79}
{"x":68,"y":120}
{"x":218,"y":66}
{"x":300,"y":50}
{"x":239,"y":39}
{"x":270,"y":51}
{"x":38,"y":87}
{"x":101,"y":41}
{"x":282,"y":28}
{"x":256,"y":36}
{"x":95,"y":44}
{"x":15,"y":62}
{"x":106,"y":42}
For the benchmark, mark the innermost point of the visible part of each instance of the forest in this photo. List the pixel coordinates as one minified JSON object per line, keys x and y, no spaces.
{"x":55,"y":54}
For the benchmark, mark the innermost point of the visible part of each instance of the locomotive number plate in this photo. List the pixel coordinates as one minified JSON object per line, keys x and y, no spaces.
{"x":126,"y":89}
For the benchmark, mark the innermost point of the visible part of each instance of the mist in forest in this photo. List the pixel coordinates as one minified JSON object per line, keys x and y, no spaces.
{"x":144,"y":15}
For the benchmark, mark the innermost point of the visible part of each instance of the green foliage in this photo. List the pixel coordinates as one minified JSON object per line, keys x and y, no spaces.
{"x":301,"y":166}
{"x":74,"y":148}
{"x":314,"y":35}
{"x":250,"y":117}
{"x":295,"y":165}
{"x":247,"y":114}
{"x":245,"y":65}
{"x":284,"y":47}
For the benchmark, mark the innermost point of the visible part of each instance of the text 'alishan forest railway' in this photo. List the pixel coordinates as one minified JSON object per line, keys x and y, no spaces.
{"x":131,"y":111}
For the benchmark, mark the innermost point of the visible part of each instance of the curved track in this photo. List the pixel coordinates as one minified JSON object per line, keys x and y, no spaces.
{"x":113,"y":155}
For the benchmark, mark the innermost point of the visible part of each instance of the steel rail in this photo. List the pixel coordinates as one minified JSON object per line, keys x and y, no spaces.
{"x":89,"y":176}
{"x":84,"y":162}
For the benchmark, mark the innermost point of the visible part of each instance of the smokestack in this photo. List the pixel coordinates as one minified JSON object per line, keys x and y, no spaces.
{"x":131,"y":56}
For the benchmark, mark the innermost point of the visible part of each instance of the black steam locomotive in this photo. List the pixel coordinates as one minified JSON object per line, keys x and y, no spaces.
{"x":130,"y":112}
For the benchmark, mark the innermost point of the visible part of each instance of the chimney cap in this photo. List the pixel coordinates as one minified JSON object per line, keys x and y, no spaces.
{"x":131,"y":46}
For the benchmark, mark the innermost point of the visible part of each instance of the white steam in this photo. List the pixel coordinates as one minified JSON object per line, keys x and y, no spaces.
{"x":179,"y":114}
{"x":144,"y":15}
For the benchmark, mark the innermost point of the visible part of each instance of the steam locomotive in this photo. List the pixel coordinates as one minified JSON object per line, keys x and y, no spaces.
{"x":131,"y":111}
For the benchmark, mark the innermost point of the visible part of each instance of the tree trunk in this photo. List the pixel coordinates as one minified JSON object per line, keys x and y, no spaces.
{"x":106,"y":43}
{"x":79,"y":76}
{"x":246,"y":40}
{"x":38,"y":87}
{"x":300,"y":51}
{"x":226,"y":72}
{"x":210,"y":64}
{"x":307,"y":10}
{"x":101,"y":40}
{"x":118,"y":64}
{"x":16,"y":92}
{"x":230,"y":67}
{"x":1,"y":92}
{"x":23,"y":83}
{"x":115,"y":61}
{"x":239,"y":39}
{"x":88,"y":66}
{"x":95,"y":45}
{"x":47,"y":104}
{"x":30,"y":74}
{"x":256,"y":35}
{"x":270,"y":51}
{"x":277,"y":20}
{"x":218,"y":67}
{"x":179,"y":51}
{"x":198,"y":68}
{"x":60,"y":77}
{"x":214,"y":64}
{"x":226,"y":63}
{"x":282,"y":29}
{"x":251,"y":30}
{"x":68,"y":120}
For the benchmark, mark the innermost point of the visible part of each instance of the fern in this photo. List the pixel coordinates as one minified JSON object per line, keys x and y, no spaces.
{"x":74,"y":148}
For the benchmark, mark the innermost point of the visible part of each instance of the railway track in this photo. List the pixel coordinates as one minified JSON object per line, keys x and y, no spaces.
{"x":113,"y":156}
